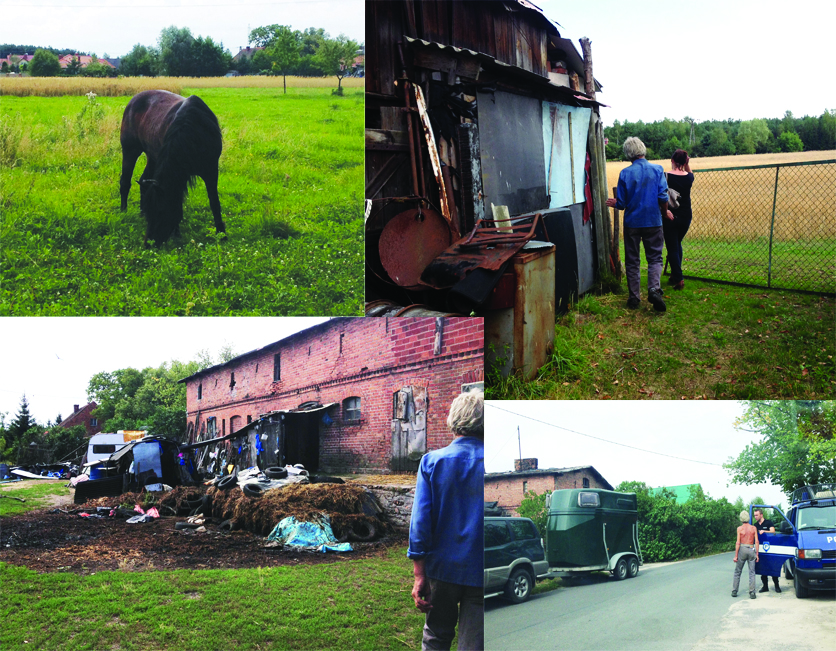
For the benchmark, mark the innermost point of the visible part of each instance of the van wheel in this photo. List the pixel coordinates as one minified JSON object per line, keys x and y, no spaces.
{"x":620,"y":571}
{"x":519,"y":586}
{"x":787,"y":571}
{"x":800,"y":591}
{"x":632,"y":567}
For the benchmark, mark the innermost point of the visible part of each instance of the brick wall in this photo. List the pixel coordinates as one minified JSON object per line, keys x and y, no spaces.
{"x":508,"y":490}
{"x":367,"y":358}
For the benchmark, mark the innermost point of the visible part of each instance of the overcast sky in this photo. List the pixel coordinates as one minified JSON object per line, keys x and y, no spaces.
{"x":694,"y":430}
{"x":115,"y":26}
{"x":51,"y":359}
{"x":713,"y":59}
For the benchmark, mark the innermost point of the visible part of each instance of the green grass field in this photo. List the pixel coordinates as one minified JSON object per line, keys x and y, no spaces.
{"x":714,"y":341}
{"x":291,"y":192}
{"x":37,"y":494}
{"x":363,"y":604}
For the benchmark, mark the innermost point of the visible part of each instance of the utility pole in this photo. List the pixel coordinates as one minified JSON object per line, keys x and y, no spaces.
{"x":519,"y":443}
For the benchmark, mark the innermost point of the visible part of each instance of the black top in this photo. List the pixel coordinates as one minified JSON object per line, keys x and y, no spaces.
{"x":682,"y":184}
{"x":763,"y":526}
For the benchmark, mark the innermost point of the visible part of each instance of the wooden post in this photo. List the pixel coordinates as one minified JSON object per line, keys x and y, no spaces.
{"x":589,"y":80}
{"x":616,"y":252}
{"x":602,"y":243}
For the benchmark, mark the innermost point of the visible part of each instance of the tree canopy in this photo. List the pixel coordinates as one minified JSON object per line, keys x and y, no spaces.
{"x":44,"y":64}
{"x":796,"y":444}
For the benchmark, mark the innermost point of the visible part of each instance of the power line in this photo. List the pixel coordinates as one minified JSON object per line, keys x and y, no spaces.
{"x":598,"y":438}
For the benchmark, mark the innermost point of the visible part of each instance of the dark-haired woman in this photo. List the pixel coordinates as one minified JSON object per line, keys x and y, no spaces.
{"x":680,"y":178}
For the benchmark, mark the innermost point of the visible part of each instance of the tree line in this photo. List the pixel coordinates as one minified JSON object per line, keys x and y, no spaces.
{"x":149,"y":399}
{"x":279,"y":50}
{"x":726,"y":137}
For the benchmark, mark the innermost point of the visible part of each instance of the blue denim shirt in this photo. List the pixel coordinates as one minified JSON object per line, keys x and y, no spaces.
{"x":447,"y":526}
{"x":640,"y":187}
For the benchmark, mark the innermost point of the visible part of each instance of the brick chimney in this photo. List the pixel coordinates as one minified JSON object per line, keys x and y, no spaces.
{"x":75,"y":408}
{"x":525,"y":464}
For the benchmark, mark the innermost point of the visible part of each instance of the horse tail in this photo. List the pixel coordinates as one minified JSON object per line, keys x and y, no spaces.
{"x":193,"y":139}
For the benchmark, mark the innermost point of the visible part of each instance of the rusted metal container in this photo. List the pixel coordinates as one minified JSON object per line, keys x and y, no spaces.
{"x":520,"y":335}
{"x":388,"y":308}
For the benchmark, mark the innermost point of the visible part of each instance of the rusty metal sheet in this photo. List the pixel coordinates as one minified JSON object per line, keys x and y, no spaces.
{"x":410,"y":242}
{"x":456,"y":262}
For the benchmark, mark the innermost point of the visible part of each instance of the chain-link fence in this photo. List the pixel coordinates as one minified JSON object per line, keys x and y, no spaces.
{"x":765,"y":225}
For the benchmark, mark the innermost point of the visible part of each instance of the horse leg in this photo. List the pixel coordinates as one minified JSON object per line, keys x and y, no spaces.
{"x":210,"y":178}
{"x":129,"y":157}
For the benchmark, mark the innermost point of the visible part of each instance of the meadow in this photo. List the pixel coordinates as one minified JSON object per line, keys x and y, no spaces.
{"x":291,"y":193}
{"x":730,"y":235}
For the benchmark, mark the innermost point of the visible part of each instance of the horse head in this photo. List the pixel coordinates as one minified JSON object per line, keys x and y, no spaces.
{"x":162,"y":206}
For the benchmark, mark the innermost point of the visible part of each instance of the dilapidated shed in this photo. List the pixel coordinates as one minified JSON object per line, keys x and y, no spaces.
{"x":475,"y":111}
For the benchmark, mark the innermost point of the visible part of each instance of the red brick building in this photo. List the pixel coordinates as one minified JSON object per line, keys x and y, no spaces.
{"x":508,"y":488}
{"x":355,"y":394}
{"x":83,"y":416}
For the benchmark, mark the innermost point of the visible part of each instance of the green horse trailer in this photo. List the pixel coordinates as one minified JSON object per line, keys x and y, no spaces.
{"x":591,"y":530}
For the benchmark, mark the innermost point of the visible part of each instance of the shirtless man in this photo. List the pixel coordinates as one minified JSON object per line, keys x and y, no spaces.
{"x":745,"y":550}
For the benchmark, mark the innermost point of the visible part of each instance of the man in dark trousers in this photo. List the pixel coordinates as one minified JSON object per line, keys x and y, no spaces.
{"x":769,"y":527}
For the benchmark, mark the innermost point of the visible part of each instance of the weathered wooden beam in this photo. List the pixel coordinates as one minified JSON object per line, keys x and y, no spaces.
{"x":601,"y":243}
{"x":386,"y":140}
{"x":589,"y":80}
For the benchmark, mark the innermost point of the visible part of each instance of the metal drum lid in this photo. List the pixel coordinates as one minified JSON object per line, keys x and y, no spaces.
{"x":410,"y":242}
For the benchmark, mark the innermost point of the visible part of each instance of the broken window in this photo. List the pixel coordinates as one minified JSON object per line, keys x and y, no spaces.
{"x":200,"y":391}
{"x":277,"y":367}
{"x":212,"y":426}
{"x":586,"y":482}
{"x":525,"y":487}
{"x":351,"y":409}
{"x":232,"y":380}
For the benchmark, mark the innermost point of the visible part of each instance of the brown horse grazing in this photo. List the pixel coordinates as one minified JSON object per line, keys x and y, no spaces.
{"x":182,"y":140}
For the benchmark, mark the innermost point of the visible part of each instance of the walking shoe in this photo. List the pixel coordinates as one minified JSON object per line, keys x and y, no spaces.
{"x":764,"y":589}
{"x":680,"y":285}
{"x":752,"y":595}
{"x":655,"y":297}
{"x":734,"y":593}
{"x":777,"y":588}
{"x":633,"y":303}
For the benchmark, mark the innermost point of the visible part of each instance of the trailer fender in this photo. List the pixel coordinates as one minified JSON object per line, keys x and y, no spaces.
{"x":626,"y":556}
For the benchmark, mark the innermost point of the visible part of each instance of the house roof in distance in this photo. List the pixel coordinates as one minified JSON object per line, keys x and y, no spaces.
{"x":543,"y":472}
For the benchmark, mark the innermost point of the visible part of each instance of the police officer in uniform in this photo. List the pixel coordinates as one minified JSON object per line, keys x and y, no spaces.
{"x":769,"y":527}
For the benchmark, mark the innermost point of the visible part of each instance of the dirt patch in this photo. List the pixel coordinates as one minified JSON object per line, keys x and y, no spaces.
{"x":48,"y":541}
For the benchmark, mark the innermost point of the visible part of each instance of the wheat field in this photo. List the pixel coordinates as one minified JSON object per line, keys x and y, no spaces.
{"x":126,"y":86}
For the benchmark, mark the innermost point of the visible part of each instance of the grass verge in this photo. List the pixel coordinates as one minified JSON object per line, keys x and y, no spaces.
{"x":362,"y":604}
{"x":714,"y":341}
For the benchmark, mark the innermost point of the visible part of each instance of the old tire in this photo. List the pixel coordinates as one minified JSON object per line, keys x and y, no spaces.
{"x":632,"y":567}
{"x":275,"y":472}
{"x":228,"y":482}
{"x":519,"y":586}
{"x":185,"y":525}
{"x":228,"y":525}
{"x":620,"y":571}
{"x":363,"y":531}
{"x":253,"y":490}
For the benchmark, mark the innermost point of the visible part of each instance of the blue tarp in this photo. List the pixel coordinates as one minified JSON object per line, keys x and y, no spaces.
{"x":314,"y":535}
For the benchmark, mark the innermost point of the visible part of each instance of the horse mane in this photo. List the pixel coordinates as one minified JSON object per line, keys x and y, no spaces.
{"x":181,"y":151}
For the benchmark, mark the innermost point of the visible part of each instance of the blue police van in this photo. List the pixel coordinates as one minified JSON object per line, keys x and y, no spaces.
{"x":804,"y":543}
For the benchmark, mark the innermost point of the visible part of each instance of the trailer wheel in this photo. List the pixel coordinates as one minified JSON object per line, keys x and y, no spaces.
{"x":632,"y":567}
{"x":620,"y":571}
{"x":519,"y":586}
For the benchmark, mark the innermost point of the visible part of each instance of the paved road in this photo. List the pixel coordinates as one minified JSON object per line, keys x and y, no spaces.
{"x":684,"y":606}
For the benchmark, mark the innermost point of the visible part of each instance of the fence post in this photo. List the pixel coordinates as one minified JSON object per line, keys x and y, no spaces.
{"x":772,"y":227}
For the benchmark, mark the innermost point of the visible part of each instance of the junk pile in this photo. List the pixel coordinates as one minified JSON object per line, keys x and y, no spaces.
{"x":355,"y":514}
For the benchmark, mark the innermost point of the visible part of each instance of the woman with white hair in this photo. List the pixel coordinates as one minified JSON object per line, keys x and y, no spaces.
{"x":745,"y":551}
{"x":642,"y":194}
{"x":446,"y":531}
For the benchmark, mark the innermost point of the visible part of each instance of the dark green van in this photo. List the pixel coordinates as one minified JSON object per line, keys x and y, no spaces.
{"x":592,"y":529}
